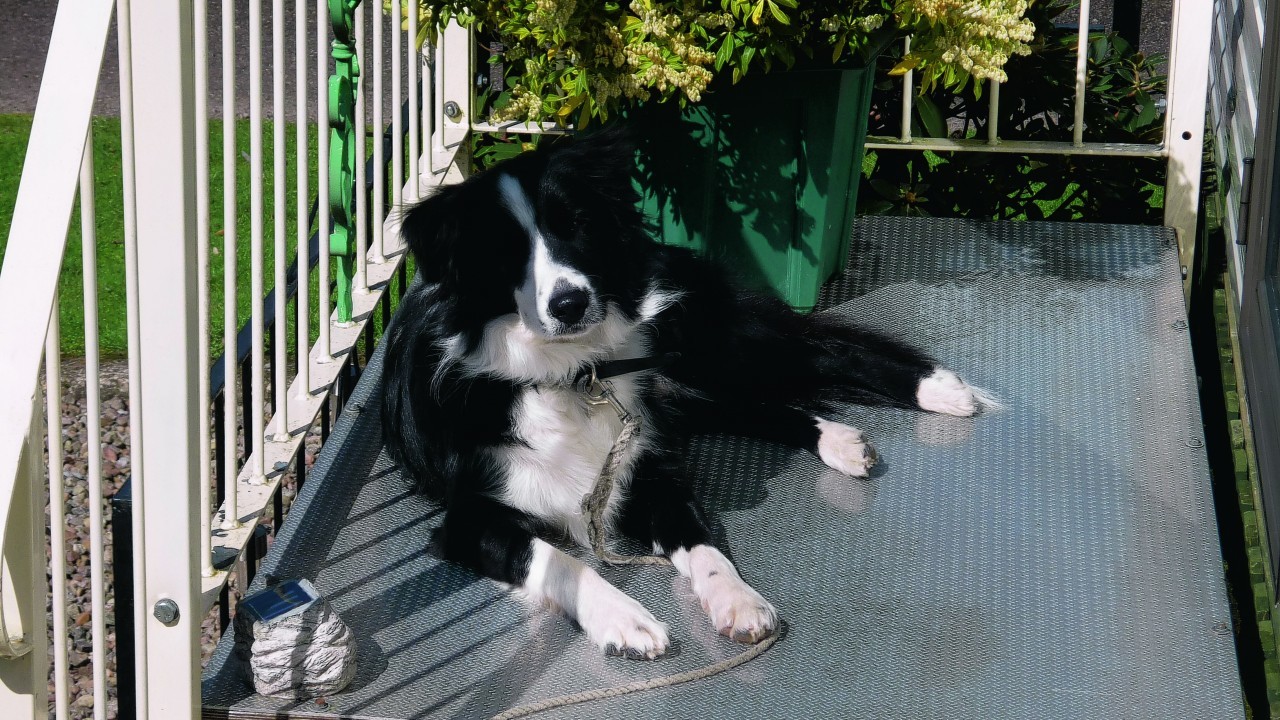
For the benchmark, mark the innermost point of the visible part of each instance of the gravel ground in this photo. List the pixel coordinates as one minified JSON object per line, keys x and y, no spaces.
{"x":115,"y":470}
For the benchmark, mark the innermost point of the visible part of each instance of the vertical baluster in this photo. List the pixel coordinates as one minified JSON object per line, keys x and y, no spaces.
{"x":1082,"y":57}
{"x":397,"y":127}
{"x":361,"y":280}
{"x":93,"y":430}
{"x":257,"y":257}
{"x":908,"y":89}
{"x":379,"y":173}
{"x":428,"y":105}
{"x":57,"y":514}
{"x":993,"y":113}
{"x":124,"y":44}
{"x":201,"y":31}
{"x":322,"y":187}
{"x":303,"y":194}
{"x":280,"y":360}
{"x":230,"y":321}
{"x":412,"y":60}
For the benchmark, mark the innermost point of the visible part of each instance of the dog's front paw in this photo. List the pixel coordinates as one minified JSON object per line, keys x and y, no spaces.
{"x":944,"y":392}
{"x":844,"y":448}
{"x":736,"y":610}
{"x":618,"y":624}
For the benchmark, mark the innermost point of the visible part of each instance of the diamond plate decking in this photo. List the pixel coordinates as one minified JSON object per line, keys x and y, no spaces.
{"x":1057,"y":559}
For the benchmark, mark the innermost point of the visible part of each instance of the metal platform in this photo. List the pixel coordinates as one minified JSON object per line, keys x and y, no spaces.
{"x":1057,"y":559}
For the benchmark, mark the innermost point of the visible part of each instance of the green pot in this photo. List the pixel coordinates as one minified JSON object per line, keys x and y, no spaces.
{"x":762,"y":175}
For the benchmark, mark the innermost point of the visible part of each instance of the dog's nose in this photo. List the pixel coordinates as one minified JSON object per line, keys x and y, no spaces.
{"x":568,"y":304}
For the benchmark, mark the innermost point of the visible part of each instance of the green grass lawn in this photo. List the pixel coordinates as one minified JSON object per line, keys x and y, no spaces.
{"x":14,"y":130}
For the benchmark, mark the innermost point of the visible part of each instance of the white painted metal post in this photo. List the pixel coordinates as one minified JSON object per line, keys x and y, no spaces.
{"x":379,"y":174}
{"x":280,"y":332}
{"x":361,"y":284}
{"x":93,"y":430}
{"x":202,"y":271}
{"x":908,"y":88}
{"x":1082,"y":58}
{"x":454,"y":86}
{"x":413,"y":61}
{"x":57,"y":514}
{"x":163,"y":70}
{"x":255,"y":427}
{"x":1185,"y":123}
{"x":230,"y":313}
{"x":303,"y":323}
{"x":137,"y":459}
{"x":24,"y":680}
{"x":323,"y":222}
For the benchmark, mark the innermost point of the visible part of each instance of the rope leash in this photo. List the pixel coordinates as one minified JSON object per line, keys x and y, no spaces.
{"x":701,"y":673}
{"x":594,"y":504}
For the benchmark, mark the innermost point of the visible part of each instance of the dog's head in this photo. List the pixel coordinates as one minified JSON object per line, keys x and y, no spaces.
{"x":542,"y":256}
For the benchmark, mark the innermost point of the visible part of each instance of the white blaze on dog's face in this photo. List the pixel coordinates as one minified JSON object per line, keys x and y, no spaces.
{"x":555,"y":299}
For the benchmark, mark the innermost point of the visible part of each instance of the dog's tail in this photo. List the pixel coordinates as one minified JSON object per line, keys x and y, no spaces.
{"x":403,"y":429}
{"x":813,"y":362}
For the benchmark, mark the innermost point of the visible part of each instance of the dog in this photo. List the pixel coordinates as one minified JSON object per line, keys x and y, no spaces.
{"x":541,"y":269}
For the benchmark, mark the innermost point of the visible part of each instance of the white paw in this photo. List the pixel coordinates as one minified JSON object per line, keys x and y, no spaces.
{"x":843,"y":448}
{"x":944,"y":392}
{"x":618,"y":624}
{"x":735,"y":609}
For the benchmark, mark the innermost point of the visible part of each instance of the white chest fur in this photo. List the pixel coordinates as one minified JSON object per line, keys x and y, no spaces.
{"x":563,"y":445}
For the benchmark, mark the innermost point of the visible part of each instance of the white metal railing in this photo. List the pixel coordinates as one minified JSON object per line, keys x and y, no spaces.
{"x":176,"y":532}
{"x":1182,"y":139}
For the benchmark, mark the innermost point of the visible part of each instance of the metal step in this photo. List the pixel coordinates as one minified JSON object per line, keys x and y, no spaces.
{"x":1056,"y":559}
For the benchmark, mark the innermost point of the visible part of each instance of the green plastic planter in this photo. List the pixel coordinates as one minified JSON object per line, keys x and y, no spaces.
{"x":762,"y":176}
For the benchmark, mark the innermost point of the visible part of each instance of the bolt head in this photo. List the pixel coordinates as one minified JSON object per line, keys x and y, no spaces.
{"x":166,"y":611}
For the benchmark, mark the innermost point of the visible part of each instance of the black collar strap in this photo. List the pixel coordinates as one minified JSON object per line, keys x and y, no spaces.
{"x":626,"y":366}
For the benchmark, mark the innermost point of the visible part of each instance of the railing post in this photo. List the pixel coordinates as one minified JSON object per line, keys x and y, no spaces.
{"x":24,"y":680}
{"x":1185,"y":124}
{"x":163,"y":77}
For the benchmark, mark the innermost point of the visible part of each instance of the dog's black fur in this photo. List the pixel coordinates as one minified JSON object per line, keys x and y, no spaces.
{"x":747,"y":364}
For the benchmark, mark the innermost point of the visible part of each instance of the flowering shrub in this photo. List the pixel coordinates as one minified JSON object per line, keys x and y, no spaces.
{"x":574,"y":60}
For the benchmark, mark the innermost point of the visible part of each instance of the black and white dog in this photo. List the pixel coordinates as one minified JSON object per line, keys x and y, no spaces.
{"x":540,"y":269}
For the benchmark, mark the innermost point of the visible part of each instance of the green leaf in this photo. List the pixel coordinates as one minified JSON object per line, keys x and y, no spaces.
{"x":930,"y":117}
{"x":909,"y":62}
{"x":886,"y":189}
{"x":838,"y":50}
{"x":777,"y":13}
{"x":757,"y":14}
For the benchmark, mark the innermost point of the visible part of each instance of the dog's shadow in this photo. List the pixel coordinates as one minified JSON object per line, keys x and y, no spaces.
{"x":731,"y":473}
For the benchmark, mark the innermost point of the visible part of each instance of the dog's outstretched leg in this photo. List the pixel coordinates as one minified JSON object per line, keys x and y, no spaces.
{"x":499,"y":542}
{"x":661,"y":510}
{"x":841,"y":447}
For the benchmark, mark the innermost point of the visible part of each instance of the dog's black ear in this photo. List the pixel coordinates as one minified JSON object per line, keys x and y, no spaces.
{"x":603,"y":161}
{"x":431,"y":229}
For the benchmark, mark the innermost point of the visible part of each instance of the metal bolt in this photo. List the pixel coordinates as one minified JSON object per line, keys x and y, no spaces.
{"x":166,"y":611}
{"x":452,"y":110}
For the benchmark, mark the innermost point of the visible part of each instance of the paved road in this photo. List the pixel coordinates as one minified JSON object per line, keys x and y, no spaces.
{"x":28,"y":24}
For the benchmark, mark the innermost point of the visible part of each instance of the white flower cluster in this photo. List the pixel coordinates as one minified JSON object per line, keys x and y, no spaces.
{"x":978,"y":36}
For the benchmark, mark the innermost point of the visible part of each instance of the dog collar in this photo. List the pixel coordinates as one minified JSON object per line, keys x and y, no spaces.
{"x":614,"y":368}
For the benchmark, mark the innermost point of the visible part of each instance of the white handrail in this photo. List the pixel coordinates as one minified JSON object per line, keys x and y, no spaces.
{"x":38,"y":231}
